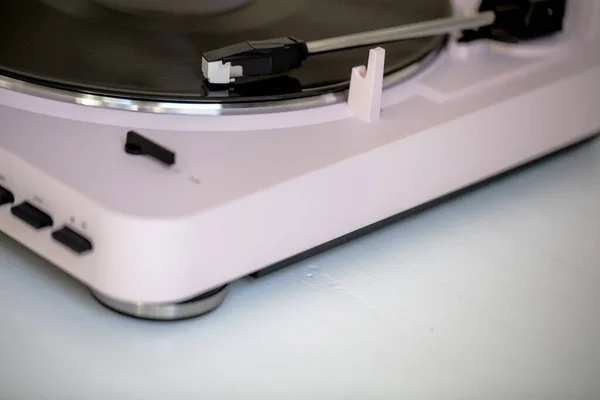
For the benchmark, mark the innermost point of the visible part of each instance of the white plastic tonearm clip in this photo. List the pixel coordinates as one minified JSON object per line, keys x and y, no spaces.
{"x":366,"y":87}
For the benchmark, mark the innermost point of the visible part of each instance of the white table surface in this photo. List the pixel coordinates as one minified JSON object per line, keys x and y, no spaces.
{"x":495,"y":294}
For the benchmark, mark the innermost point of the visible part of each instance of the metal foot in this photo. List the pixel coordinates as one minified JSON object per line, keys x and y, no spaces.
{"x":195,"y":307}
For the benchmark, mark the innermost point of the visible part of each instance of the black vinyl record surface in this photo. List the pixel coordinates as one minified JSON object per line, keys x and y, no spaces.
{"x":84,"y":46}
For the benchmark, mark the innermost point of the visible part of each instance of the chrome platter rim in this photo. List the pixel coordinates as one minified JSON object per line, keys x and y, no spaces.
{"x":193,"y":108}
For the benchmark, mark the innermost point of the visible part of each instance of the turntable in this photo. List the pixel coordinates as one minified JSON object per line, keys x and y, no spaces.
{"x":159,"y":152}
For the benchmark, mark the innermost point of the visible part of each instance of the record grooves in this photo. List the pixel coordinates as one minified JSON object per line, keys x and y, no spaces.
{"x":81,"y":46}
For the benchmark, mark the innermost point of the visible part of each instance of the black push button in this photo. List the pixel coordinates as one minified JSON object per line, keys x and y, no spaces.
{"x":72,"y":240}
{"x":6,"y":196}
{"x":32,"y":215}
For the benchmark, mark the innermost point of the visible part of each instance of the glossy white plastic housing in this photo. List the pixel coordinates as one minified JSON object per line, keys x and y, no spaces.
{"x":248,"y":191}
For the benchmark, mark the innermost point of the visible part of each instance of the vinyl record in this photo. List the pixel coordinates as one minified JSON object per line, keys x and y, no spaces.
{"x":86,"y":46}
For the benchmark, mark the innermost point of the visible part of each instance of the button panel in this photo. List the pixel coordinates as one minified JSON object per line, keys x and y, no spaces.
{"x":32,"y":215}
{"x":38,"y":219}
{"x":71,"y":239}
{"x":6,"y":196}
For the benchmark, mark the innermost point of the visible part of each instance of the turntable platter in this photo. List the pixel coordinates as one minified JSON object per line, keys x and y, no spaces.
{"x":83,"y":46}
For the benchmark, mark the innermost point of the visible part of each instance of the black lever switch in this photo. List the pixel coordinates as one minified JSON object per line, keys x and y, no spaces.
{"x":139,"y":145}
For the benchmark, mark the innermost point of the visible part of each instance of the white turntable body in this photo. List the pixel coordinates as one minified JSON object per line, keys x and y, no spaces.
{"x":251,"y":189}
